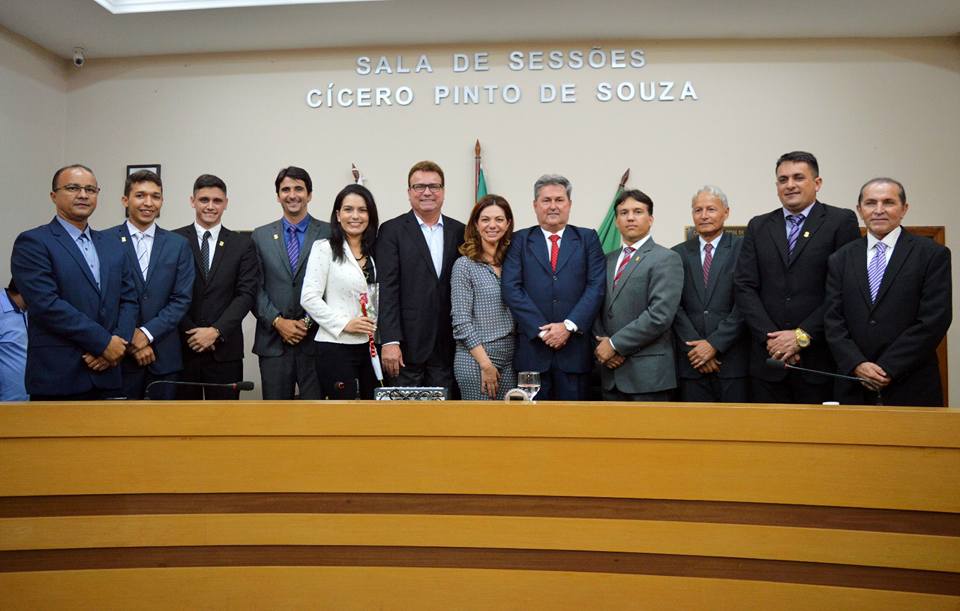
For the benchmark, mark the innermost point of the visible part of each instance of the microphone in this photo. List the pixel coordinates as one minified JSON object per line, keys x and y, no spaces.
{"x":238,"y":386}
{"x":778,"y":364}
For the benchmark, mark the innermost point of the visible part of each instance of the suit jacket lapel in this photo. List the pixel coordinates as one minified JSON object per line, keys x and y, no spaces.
{"x":568,"y":244}
{"x":126,"y":243}
{"x":778,"y":233}
{"x":693,"y":261}
{"x":810,"y":226}
{"x":311,"y":236}
{"x":71,"y":247}
{"x":900,"y":253}
{"x":280,"y":247}
{"x":721,"y":258}
{"x":635,"y":260}
{"x":222,"y":240}
{"x":450,"y":252}
{"x":159,"y":242}
{"x":416,"y":234}
{"x":858,"y":260}
{"x":538,"y":247}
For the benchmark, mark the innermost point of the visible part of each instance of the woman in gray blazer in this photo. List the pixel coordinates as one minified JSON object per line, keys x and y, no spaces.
{"x":482,"y":324}
{"x":339,"y":270}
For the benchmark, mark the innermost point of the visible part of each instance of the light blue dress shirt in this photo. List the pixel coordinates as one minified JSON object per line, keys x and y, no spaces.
{"x":13,"y":350}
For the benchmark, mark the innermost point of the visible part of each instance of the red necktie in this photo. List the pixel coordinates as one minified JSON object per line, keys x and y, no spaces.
{"x":627,"y":252}
{"x":554,"y":251}
{"x":707,"y":262}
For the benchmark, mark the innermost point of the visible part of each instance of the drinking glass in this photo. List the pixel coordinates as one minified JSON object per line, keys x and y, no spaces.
{"x":529,"y":383}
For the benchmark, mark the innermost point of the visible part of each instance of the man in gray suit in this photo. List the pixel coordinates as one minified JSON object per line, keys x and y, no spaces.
{"x":284,"y":338}
{"x":713,"y":345}
{"x":644,"y":282}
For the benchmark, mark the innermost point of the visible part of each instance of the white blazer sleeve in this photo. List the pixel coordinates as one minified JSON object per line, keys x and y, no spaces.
{"x":314,"y":290}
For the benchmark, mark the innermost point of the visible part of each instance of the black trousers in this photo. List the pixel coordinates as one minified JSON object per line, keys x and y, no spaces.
{"x":203,"y":367}
{"x":712,"y":389}
{"x":792,"y":389}
{"x":345,"y":371}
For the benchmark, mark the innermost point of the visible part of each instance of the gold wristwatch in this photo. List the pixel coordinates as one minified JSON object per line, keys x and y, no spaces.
{"x":803,"y":339}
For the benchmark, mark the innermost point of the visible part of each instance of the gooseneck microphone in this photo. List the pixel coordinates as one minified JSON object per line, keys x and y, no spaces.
{"x":778,"y":364}
{"x":238,"y":386}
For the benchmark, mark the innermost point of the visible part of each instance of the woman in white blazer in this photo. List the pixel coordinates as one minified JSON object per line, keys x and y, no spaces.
{"x":339,"y":270}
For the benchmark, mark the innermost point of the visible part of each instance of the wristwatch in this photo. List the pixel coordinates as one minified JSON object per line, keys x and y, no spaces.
{"x":803,"y":338}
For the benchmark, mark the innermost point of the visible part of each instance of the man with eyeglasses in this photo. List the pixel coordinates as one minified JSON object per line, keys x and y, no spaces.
{"x":80,"y":289}
{"x":415,"y":254}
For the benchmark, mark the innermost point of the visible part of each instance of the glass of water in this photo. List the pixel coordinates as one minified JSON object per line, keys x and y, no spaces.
{"x":529,"y":383}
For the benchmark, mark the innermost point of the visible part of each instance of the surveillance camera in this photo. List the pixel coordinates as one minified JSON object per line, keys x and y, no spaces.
{"x":79,"y":57}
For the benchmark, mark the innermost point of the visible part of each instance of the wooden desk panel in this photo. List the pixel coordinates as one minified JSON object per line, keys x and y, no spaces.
{"x":744,"y":501}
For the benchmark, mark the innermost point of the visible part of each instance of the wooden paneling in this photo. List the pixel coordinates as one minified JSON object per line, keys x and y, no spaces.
{"x":424,"y":589}
{"x":717,"y":507}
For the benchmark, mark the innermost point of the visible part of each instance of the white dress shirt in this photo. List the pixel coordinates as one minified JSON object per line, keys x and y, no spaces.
{"x":890,"y":240}
{"x":214,"y":239}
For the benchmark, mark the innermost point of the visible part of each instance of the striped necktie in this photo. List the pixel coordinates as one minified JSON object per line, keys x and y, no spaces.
{"x":878,"y":264}
{"x":707,"y":262}
{"x":142,"y":257}
{"x":796,"y":221}
{"x":627,"y":253}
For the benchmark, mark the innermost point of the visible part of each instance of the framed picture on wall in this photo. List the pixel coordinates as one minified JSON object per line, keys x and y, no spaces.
{"x":153,"y":167}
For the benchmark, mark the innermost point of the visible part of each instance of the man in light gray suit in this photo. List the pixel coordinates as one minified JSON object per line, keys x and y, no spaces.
{"x":712,"y":339}
{"x":284,"y":339}
{"x":644,"y":282}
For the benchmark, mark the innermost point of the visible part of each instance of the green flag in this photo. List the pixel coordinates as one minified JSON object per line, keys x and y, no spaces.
{"x":608,"y":232}
{"x":481,"y":185}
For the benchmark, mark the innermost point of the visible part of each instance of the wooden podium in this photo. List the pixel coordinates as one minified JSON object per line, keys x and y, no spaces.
{"x":401,"y":505}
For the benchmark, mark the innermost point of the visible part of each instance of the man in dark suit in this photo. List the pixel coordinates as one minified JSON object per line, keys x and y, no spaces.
{"x":163,"y":273}
{"x":224,"y":291}
{"x":888,"y":305}
{"x":80,"y":290}
{"x":644,"y":282}
{"x":711,"y":335}
{"x":780,"y":278}
{"x":553,"y":283}
{"x":285,"y":334}
{"x":414,"y":255}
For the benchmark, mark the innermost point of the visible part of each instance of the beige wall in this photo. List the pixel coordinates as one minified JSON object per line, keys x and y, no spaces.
{"x":865,"y":107}
{"x":33,"y":116}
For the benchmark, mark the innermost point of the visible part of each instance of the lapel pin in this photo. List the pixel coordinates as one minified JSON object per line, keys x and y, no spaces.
{"x":221,"y":243}
{"x":123,"y":239}
{"x":806,"y":234}
{"x":276,"y":237}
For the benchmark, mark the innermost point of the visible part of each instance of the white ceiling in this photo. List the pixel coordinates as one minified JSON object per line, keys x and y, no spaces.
{"x":61,"y":25}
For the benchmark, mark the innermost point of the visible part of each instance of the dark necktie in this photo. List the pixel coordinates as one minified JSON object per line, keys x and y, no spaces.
{"x":795,"y":220}
{"x":627,"y":253}
{"x":554,"y":251}
{"x":876,"y":268}
{"x":205,"y":253}
{"x":293,"y":247}
{"x":707,"y":262}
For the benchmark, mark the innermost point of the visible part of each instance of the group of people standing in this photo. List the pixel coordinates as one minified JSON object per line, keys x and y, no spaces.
{"x":424,"y":300}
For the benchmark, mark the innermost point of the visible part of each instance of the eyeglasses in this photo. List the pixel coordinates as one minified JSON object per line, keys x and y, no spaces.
{"x":74,"y":189}
{"x":420,"y":188}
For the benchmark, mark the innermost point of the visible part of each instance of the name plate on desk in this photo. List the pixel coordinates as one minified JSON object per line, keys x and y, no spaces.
{"x":410,"y":393}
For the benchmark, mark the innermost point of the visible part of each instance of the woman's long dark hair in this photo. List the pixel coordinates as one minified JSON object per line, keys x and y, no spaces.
{"x":369,"y":234}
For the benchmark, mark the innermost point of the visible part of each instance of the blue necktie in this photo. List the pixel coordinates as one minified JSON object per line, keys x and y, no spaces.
{"x":876,"y":268}
{"x":795,"y":220}
{"x":293,"y":247}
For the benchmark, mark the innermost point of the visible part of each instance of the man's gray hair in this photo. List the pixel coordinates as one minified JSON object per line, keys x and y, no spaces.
{"x":552,"y":179}
{"x":711,"y":190}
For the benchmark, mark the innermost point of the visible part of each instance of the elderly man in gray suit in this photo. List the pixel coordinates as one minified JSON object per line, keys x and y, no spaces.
{"x":284,"y":338}
{"x":644,"y":283}
{"x":714,"y":349}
